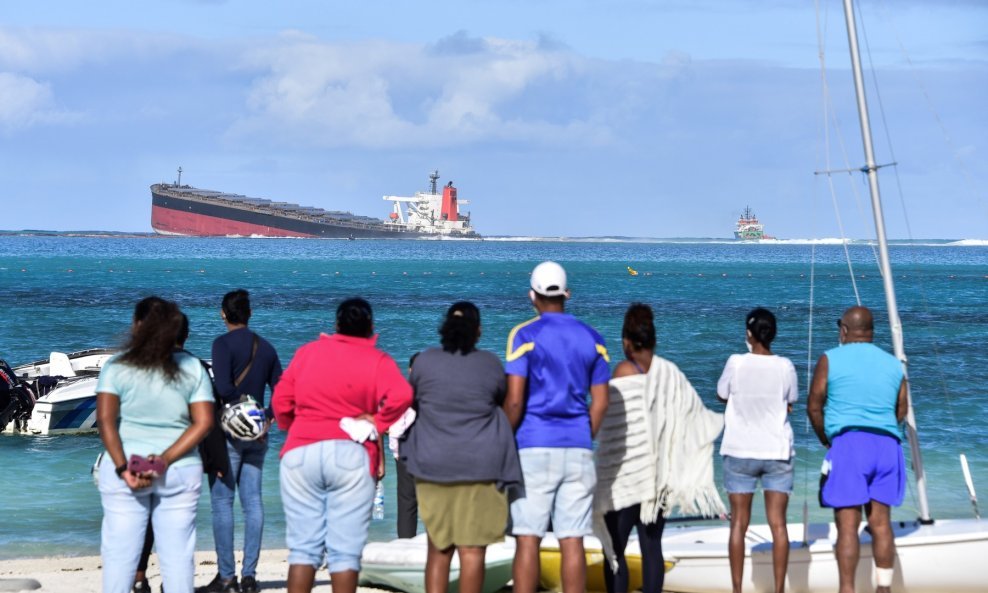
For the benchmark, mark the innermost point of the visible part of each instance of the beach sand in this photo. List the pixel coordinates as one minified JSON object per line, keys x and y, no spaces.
{"x":83,"y":574}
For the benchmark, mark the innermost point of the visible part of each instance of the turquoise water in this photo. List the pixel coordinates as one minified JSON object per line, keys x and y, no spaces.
{"x":65,"y":293}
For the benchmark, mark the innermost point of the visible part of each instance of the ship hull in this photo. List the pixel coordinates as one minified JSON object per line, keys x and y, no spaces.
{"x":173,"y":215}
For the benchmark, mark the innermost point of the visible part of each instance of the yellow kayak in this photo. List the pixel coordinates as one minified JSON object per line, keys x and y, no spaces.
{"x":550,"y":563}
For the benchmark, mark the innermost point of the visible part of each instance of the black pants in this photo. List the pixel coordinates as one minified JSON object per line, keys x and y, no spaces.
{"x":142,"y":565}
{"x":408,"y":505}
{"x":619,"y":525}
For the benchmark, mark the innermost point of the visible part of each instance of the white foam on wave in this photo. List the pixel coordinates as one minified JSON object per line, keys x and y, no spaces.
{"x":676,"y":240}
{"x":969,"y":243}
{"x":820,"y":241}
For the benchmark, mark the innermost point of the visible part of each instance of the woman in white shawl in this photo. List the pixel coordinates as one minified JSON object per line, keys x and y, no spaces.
{"x":655,"y":453}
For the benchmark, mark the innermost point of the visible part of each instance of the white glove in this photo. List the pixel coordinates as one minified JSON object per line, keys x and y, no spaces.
{"x":359,"y":430}
{"x":398,"y":430}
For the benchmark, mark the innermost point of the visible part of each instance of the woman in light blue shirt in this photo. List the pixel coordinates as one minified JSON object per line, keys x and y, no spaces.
{"x":154,"y":402}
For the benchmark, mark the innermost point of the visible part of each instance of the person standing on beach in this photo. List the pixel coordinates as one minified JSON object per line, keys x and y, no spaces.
{"x":857,"y":400}
{"x":335,"y":399}
{"x":759,"y":388}
{"x":152,"y":403}
{"x":646,"y":465}
{"x":244,"y":365}
{"x":555,"y":363}
{"x":461,"y":450}
{"x":408,"y":506}
{"x":655,"y":454}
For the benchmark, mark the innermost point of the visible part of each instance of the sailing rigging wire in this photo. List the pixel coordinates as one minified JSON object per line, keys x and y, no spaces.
{"x":948,"y":140}
{"x":828,"y":114}
{"x":941,"y":376}
{"x":830,"y":118}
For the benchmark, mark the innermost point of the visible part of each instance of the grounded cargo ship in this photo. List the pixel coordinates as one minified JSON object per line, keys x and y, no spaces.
{"x":184,"y":210}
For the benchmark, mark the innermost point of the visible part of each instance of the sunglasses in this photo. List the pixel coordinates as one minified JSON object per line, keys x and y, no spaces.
{"x":840,"y":324}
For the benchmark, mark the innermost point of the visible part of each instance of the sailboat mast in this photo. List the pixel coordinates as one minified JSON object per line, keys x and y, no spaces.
{"x":895,"y":324}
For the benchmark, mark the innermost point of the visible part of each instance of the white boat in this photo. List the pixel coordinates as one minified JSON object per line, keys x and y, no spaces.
{"x":935,"y":556}
{"x":400,"y":564}
{"x":947,"y":556}
{"x":65,"y":388}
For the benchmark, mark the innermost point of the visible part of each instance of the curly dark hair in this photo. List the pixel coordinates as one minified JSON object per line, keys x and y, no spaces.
{"x":156,"y":330}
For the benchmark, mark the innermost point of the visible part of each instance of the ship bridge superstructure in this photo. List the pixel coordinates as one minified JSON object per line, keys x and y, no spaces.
{"x":431,"y":212}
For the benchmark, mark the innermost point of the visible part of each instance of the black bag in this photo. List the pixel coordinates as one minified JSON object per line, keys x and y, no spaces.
{"x":212,"y":449}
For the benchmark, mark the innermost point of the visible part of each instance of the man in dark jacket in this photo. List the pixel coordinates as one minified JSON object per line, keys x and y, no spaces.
{"x":244,"y":364}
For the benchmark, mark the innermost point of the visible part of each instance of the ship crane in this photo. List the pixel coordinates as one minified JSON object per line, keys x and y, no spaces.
{"x":400,"y":218}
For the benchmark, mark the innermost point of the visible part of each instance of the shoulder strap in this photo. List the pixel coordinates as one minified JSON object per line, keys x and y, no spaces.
{"x":250,"y":363}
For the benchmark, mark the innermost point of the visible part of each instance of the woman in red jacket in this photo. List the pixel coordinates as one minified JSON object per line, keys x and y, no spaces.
{"x":328,"y":472}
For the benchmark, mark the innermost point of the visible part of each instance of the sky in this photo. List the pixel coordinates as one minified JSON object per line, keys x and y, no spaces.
{"x":661,"y":118}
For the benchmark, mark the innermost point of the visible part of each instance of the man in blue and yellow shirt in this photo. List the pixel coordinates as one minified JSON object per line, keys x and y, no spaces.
{"x":554,"y":362}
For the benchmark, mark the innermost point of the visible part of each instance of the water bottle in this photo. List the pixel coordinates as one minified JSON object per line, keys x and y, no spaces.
{"x":378,"y":513}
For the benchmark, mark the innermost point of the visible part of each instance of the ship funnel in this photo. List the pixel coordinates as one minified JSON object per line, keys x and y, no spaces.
{"x":451,"y":210}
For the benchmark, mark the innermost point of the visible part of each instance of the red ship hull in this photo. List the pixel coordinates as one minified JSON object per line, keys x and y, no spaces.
{"x":176,"y":222}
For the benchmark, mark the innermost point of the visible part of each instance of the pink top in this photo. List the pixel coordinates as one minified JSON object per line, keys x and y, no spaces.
{"x":338,"y":377}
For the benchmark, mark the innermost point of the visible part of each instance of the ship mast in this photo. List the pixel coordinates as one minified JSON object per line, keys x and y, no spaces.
{"x":895,"y":324}
{"x":433,"y":178}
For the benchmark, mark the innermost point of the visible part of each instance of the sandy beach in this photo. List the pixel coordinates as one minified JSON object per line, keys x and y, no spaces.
{"x":82,"y":573}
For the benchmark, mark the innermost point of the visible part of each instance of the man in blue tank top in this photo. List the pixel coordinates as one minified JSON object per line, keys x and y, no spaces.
{"x":554,"y":364}
{"x":857,"y":400}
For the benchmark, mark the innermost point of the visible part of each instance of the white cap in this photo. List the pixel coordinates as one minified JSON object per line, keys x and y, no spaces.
{"x":549,"y":279}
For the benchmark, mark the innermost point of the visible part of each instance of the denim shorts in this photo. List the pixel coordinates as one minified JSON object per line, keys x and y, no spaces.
{"x":741,"y":475}
{"x":558,"y":484}
{"x":327,"y":491}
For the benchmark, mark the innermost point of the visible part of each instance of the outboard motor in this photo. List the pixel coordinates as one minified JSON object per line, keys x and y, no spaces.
{"x":16,"y":399}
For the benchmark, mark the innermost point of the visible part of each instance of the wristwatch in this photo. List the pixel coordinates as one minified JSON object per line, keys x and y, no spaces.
{"x":121,"y":469}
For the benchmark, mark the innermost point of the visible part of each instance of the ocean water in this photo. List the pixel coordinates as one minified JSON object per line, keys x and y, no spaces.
{"x":72,"y":293}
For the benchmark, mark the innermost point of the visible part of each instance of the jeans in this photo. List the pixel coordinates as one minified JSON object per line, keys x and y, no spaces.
{"x":327,"y":490}
{"x":246,"y":463}
{"x":171,"y":502}
{"x":741,"y":475}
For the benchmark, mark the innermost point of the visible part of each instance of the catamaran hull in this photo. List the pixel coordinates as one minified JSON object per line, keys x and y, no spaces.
{"x":400,"y":564}
{"x":923,"y":553}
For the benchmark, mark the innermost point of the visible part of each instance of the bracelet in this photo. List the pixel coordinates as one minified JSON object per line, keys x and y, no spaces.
{"x":121,"y":469}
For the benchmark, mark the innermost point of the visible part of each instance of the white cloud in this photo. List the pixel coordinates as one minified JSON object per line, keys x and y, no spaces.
{"x":23,"y":101}
{"x":64,"y":50}
{"x":379,"y":94}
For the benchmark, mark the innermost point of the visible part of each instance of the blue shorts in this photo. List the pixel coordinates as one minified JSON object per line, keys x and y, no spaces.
{"x":741,"y":475}
{"x":861,"y":467}
{"x":559,"y":483}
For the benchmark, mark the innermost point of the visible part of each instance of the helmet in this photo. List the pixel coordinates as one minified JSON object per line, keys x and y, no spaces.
{"x":244,"y":420}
